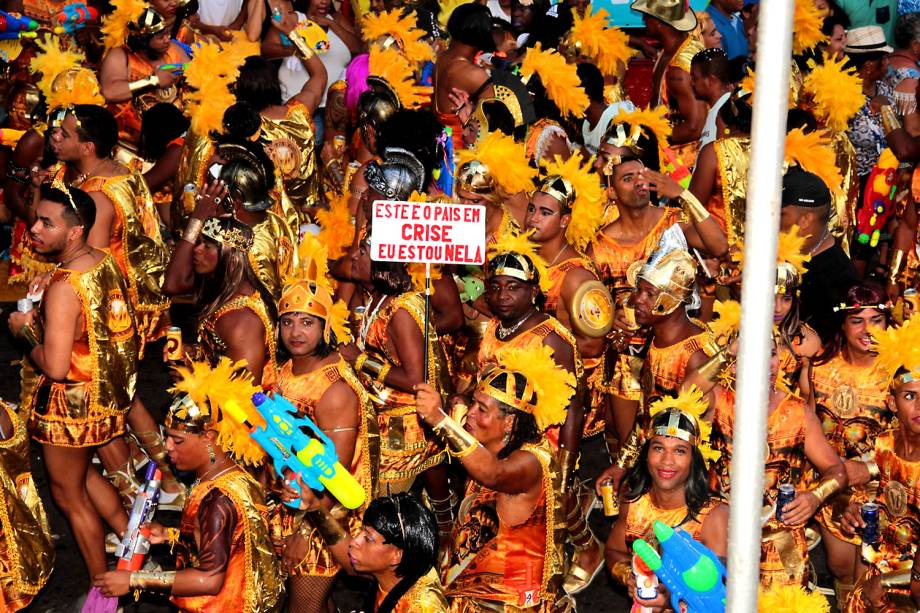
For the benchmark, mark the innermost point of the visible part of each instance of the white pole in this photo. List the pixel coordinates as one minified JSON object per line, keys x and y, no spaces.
{"x":771,"y":87}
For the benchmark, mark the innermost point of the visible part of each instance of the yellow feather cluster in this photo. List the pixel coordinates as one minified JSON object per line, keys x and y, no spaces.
{"x":337,"y":227}
{"x":729,"y":319}
{"x":447,"y":9}
{"x":791,"y":598}
{"x":417,"y":272}
{"x":898,"y":348}
{"x":506,"y":160}
{"x":790,"y":249}
{"x":836,"y":91}
{"x":692,"y":402}
{"x":648,"y":121}
{"x":511,"y":242}
{"x":588,"y":208}
{"x":553,"y":385}
{"x":391,"y":66}
{"x":211,"y":72}
{"x":210,"y":389}
{"x":806,"y":26}
{"x":559,"y":78}
{"x":608,"y":47}
{"x":52,"y":61}
{"x":402,"y":27}
{"x":813,"y":152}
{"x":313,"y":253}
{"x":114,"y":27}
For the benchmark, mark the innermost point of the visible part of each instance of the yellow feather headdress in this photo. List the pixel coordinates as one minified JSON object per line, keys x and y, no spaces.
{"x":608,"y":47}
{"x":552,"y":385}
{"x":806,"y":26}
{"x":506,"y":160}
{"x":402,"y":28}
{"x":390,"y":66}
{"x":520,"y":244}
{"x":210,"y":389}
{"x":791,"y":598}
{"x":337,"y":226}
{"x":725,"y":327}
{"x":588,"y":205}
{"x":692,"y":403}
{"x":114,"y":27}
{"x":559,"y":78}
{"x":790,"y":250}
{"x":812,"y":151}
{"x":898,"y":351}
{"x":52,"y":61}
{"x":214,"y":67}
{"x":645,"y":121}
{"x":836,"y":92}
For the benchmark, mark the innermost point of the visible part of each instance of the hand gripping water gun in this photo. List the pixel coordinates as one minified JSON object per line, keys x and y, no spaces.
{"x":675,"y":169}
{"x":13,"y":25}
{"x":313,"y":459}
{"x":692,"y":573}
{"x":74,"y":17}
{"x":878,"y":199}
{"x":134,"y":545}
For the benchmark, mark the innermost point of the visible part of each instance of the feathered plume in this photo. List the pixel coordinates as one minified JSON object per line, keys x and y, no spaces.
{"x":510,"y":242}
{"x":506,"y":160}
{"x":554,"y":386}
{"x":836,"y":91}
{"x":647,"y":121}
{"x":401,"y":27}
{"x":52,"y":61}
{"x":417,"y":272}
{"x":588,"y":207}
{"x":898,"y":348}
{"x":791,"y":598}
{"x":608,"y":47}
{"x":725,"y":327}
{"x":693,"y":403}
{"x":812,"y":151}
{"x":337,"y":227}
{"x":114,"y":27}
{"x":210,"y":73}
{"x":806,"y":27}
{"x":312,"y":262}
{"x":391,"y":66}
{"x":559,"y":78}
{"x":790,"y":249}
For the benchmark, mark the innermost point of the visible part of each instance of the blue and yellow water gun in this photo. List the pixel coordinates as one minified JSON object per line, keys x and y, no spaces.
{"x":313,"y":459}
{"x":13,"y":25}
{"x":692,"y":573}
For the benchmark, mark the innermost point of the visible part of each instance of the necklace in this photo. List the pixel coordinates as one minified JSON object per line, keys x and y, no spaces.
{"x":820,"y":242}
{"x":205,"y":476}
{"x":86,"y":251}
{"x":369,"y":316}
{"x":82,"y":178}
{"x":502,"y":333}
{"x":558,"y":253}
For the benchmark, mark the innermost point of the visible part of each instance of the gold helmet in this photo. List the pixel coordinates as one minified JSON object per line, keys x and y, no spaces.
{"x":671,"y":270}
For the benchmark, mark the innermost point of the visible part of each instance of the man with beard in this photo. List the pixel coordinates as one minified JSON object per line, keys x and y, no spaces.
{"x":130,"y":76}
{"x":84,"y":345}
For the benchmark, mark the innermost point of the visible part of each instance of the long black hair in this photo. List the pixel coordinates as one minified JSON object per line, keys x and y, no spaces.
{"x":638,"y":479}
{"x":405,"y":523}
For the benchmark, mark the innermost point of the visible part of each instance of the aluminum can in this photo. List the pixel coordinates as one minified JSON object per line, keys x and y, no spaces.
{"x":785,"y":496}
{"x":174,"y":344}
{"x":24,"y":305}
{"x":609,"y":499}
{"x":869,"y":512}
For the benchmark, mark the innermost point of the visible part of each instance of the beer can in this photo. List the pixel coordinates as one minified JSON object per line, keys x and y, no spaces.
{"x":174,"y":344}
{"x":189,"y":191}
{"x":785,"y":496}
{"x":869,"y":512}
{"x":24,"y":305}
{"x":609,"y":499}
{"x":338,"y":142}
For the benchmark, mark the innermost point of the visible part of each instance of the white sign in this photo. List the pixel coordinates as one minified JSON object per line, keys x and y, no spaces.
{"x":435,"y":232}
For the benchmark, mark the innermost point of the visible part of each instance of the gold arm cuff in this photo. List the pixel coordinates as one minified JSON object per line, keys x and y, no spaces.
{"x":192,"y":230}
{"x":890,"y":121}
{"x":460,"y":443}
{"x":135,"y":86}
{"x":896,"y":578}
{"x":692,"y":207}
{"x":371,"y":367}
{"x":568,"y":461}
{"x":621,"y":572}
{"x":384,"y":371}
{"x":359,"y":361}
{"x":874,"y":472}
{"x":30,"y":335}
{"x":328,"y":526}
{"x":894,"y":266}
{"x":714,"y":365}
{"x":301,"y":44}
{"x":629,"y":450}
{"x":157,"y":581}
{"x":825,"y":488}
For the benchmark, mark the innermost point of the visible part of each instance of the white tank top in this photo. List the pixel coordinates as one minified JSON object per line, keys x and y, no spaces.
{"x":219,"y":12}
{"x":293,"y":75}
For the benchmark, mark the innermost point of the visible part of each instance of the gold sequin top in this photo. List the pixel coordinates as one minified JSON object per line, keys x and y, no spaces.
{"x":290,"y":143}
{"x":273,"y":253}
{"x":426,"y":596}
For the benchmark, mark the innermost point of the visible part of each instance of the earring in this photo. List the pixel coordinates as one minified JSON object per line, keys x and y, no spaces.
{"x":211,"y":455}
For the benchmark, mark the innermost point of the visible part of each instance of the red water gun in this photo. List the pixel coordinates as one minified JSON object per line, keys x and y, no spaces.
{"x":878,"y":199}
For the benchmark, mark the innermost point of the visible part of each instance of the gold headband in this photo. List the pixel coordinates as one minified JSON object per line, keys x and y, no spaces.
{"x":186,"y":416}
{"x":150,"y":22}
{"x":228,"y":237}
{"x":512,"y":265}
{"x":310,"y":298}
{"x":672,"y":427}
{"x":508,"y":393}
{"x":474,"y":176}
{"x":567,"y":197}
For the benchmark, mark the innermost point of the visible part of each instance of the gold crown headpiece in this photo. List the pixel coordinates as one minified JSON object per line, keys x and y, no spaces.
{"x":390,"y":71}
{"x":129,"y":17}
{"x":229,"y":232}
{"x":583,"y":194}
{"x":496,"y":161}
{"x":691,"y":404}
{"x":64,"y":81}
{"x":627,"y":126}
{"x":515,"y":255}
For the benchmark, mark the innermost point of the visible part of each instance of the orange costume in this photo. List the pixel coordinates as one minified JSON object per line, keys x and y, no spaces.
{"x":642,"y":513}
{"x":228,"y":514}
{"x":491,"y":344}
{"x":426,"y":596}
{"x":784,"y":550}
{"x":305,"y":391}
{"x":729,"y":195}
{"x":213,"y":346}
{"x":88,"y":407}
{"x":494,"y":565}
{"x":686,"y":152}
{"x":851,"y":404}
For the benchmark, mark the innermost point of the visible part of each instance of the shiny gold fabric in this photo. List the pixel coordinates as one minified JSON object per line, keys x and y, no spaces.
{"x":643,"y":513}
{"x":518,"y":566}
{"x":734,"y":156}
{"x":138,"y":249}
{"x":407,"y":447}
{"x":666,"y":367}
{"x":26,"y":551}
{"x":290,"y":143}
{"x":305,"y":392}
{"x":213,"y":346}
{"x":252,"y":583}
{"x":197,"y":151}
{"x":899,"y":598}
{"x":843,"y":213}
{"x":426,"y":596}
{"x":273,"y":252}
{"x":88,"y":408}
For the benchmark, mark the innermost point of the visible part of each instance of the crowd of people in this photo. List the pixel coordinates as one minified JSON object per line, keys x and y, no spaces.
{"x":226,"y":157}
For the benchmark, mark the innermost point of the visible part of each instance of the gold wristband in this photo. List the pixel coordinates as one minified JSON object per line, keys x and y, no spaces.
{"x":894,"y":265}
{"x":460,"y":443}
{"x":135,"y":86}
{"x":371,"y":367}
{"x":896,"y":578}
{"x":714,"y":365}
{"x":359,"y":361}
{"x":629,"y":450}
{"x":328,"y":526}
{"x":157,"y":581}
{"x":30,"y":335}
{"x":825,"y":488}
{"x":622,"y":572}
{"x":192,"y":230}
{"x":692,"y":207}
{"x":301,"y":44}
{"x":384,"y":371}
{"x":890,"y":121}
{"x":872,"y":467}
{"x":568,"y":462}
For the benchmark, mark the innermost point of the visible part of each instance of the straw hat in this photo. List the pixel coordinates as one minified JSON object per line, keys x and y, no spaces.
{"x":867,"y":39}
{"x":675,"y":13}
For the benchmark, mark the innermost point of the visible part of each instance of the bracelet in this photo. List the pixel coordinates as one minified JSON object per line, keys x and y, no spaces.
{"x":384,"y":371}
{"x":328,"y":526}
{"x":359,"y":361}
{"x":915,"y":575}
{"x":896,"y":578}
{"x":825,"y":488}
{"x":629,"y":451}
{"x":622,"y":571}
{"x":371,"y":367}
{"x":568,"y":461}
{"x":30,"y":335}
{"x":144,"y":83}
{"x":460,"y":443}
{"x":158,"y":581}
{"x":692,"y":207}
{"x":894,"y":266}
{"x":714,"y":365}
{"x":301,"y":44}
{"x":192,"y":230}
{"x":890,"y":121}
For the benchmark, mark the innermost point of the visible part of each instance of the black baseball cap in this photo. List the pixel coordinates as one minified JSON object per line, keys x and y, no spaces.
{"x":805,"y":189}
